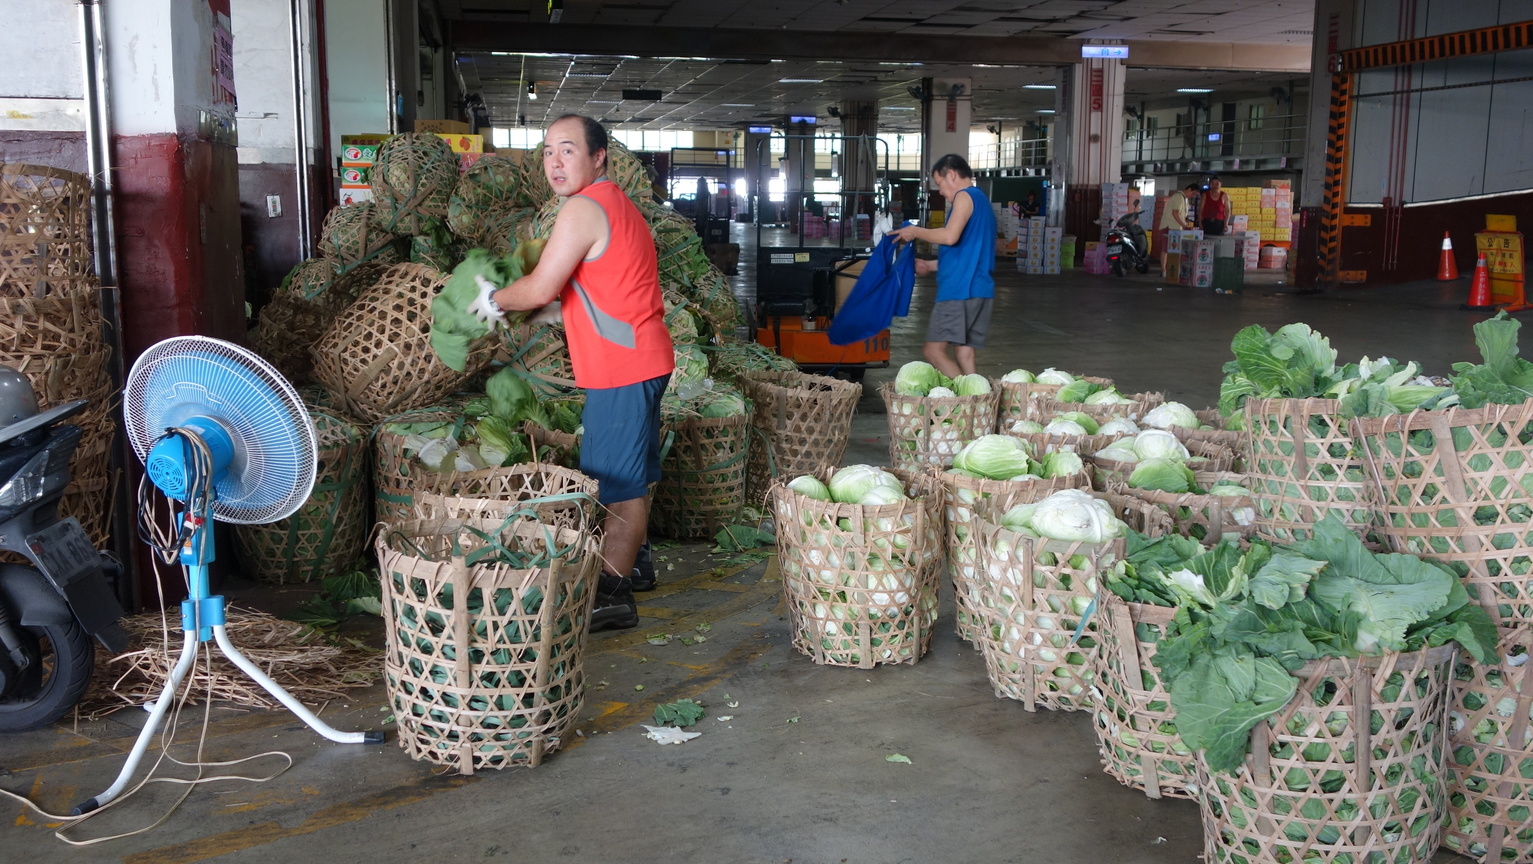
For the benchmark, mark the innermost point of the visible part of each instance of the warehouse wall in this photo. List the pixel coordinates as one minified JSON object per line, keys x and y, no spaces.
{"x":1435,"y":146}
{"x":42,"y":117}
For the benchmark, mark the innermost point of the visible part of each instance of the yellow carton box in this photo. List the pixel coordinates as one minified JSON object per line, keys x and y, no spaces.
{"x":449,"y":127}
{"x":463,"y":143}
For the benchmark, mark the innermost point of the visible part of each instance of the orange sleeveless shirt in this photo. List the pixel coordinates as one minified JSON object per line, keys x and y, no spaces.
{"x":614,"y":318}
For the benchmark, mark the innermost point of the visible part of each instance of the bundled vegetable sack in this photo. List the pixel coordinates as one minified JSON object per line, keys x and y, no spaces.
{"x":487,"y":435}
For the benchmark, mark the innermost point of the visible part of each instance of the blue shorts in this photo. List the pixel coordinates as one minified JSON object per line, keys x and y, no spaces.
{"x":620,"y":447}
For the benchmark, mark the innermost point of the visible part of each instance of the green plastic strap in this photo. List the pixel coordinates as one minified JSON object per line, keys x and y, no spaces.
{"x":771,"y":460}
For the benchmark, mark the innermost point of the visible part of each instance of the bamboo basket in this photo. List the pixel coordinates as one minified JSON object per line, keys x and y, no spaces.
{"x":1032,"y":601}
{"x":484,"y":662}
{"x":1139,"y":404}
{"x":702,"y":478}
{"x":350,"y":239}
{"x":1202,"y":517}
{"x":865,"y":594}
{"x":1019,"y":401}
{"x":1490,"y":782}
{"x":1375,"y":797}
{"x":1216,"y":459}
{"x":1084,"y":445}
{"x":41,"y":329}
{"x":540,"y":355}
{"x":327,"y":535}
{"x":376,"y":358}
{"x":925,"y":431}
{"x":960,"y":496}
{"x":397,"y":477}
{"x":289,"y":325}
{"x":1457,"y":486}
{"x":1231,"y":438}
{"x":1303,"y":466}
{"x":1134,"y":720}
{"x":44,"y":231}
{"x":558,"y":496}
{"x":486,"y":203}
{"x":801,"y":424}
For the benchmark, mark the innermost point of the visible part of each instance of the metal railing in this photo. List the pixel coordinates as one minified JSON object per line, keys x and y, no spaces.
{"x":1013,"y":153}
{"x":1281,"y":135}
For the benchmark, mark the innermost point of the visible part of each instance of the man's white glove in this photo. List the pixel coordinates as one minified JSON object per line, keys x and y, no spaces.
{"x":484,"y":307}
{"x":551,"y":314}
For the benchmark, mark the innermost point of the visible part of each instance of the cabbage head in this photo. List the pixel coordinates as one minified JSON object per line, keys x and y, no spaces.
{"x":1085,"y":421}
{"x":1065,"y":427}
{"x":1026,"y":427}
{"x":971,"y":385}
{"x":877,"y":496}
{"x":809,"y":486}
{"x":850,"y":484}
{"x":997,"y":457}
{"x":1165,"y":475}
{"x":917,"y":378}
{"x":1019,"y":518}
{"x":1018,"y":376}
{"x":1226,"y":489}
{"x":940,"y":392}
{"x":1071,"y":515}
{"x":1108,"y":396}
{"x":1062,"y":463}
{"x":1118,"y":426}
{"x":1171,"y":415}
{"x":723,"y":403}
{"x":1118,"y":451}
{"x":1157,"y":443}
{"x":1076,"y":391}
{"x":1054,"y":377}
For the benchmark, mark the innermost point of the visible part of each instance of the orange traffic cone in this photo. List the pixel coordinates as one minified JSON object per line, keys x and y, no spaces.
{"x":1479,"y":289}
{"x":1447,"y":267}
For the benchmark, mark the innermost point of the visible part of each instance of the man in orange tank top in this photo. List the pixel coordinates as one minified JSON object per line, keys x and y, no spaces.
{"x":600,"y":265}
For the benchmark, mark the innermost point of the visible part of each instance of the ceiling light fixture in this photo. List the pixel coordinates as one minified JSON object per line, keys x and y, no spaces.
{"x":1045,"y":110}
{"x":800,"y":80}
{"x":1194,"y":90}
{"x":739,"y":104}
{"x":1040,"y":87}
{"x":532,"y":90}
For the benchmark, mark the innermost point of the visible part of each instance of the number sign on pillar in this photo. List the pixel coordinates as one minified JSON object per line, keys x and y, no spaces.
{"x":1096,"y":90}
{"x":952,"y":115}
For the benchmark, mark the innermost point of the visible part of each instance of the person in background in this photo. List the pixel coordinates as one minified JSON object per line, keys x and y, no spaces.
{"x":1214,"y":209}
{"x":1031,"y":207}
{"x":1176,"y":217}
{"x":600,"y":264}
{"x":965,"y":259}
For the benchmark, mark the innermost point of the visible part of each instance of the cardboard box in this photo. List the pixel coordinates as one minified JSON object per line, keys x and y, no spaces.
{"x":463,"y":143}
{"x":450,"y":127}
{"x":726,"y":257}
{"x":467,"y":160}
{"x":355,"y":194}
{"x":845,"y":279}
{"x":1239,"y":222}
{"x":356,"y":175}
{"x":1278,"y":184}
{"x":361,"y":148}
{"x":1173,"y":272}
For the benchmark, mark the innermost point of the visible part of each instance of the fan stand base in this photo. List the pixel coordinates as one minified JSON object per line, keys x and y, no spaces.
{"x":161,"y":706}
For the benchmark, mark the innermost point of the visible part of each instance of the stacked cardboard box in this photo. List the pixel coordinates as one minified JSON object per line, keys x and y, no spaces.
{"x":1039,"y":247}
{"x":1096,"y":257}
{"x":1266,"y":210}
{"x":1115,"y":201}
{"x":358,"y":153}
{"x":1197,"y":262}
{"x":1248,"y":249}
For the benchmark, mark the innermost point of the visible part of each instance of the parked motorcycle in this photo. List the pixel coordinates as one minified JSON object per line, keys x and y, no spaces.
{"x":50,"y":610}
{"x":1127,"y":245}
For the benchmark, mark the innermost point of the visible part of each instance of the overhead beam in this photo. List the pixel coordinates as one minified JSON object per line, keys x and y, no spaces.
{"x":740,"y":44}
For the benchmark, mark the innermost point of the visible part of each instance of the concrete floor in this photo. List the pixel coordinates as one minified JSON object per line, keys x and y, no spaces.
{"x":799,"y":774}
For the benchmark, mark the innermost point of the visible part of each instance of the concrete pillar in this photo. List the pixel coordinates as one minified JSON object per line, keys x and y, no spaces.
{"x":278,"y":105}
{"x":860,"y":157}
{"x":756,"y":156}
{"x":177,"y":177}
{"x":798,"y":175}
{"x":945,"y":126}
{"x":1089,"y":141}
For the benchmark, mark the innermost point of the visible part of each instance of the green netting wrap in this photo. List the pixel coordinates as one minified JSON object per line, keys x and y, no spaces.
{"x":412,"y":183}
{"x":535,"y":189}
{"x":486,"y":205}
{"x":350,"y":238}
{"x":625,"y":169}
{"x":731,"y":359}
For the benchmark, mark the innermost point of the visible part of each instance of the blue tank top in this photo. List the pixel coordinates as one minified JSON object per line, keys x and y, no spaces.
{"x":963,"y":269}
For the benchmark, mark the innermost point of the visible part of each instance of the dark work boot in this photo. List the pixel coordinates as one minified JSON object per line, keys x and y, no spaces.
{"x":615,"y":608}
{"x":643,"y":575}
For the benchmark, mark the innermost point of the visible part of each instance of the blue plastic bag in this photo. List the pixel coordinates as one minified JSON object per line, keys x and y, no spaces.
{"x":882,"y":293}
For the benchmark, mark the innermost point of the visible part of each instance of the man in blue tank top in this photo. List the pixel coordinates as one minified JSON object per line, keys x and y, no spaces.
{"x":965,"y":259}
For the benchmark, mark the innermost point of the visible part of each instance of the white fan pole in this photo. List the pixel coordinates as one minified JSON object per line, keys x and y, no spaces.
{"x":202,"y":619}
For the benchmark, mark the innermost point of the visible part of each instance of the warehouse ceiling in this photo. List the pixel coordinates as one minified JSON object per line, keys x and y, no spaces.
{"x":716,"y":91}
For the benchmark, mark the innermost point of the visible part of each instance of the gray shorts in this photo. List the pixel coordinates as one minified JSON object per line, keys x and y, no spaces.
{"x":961,"y":322}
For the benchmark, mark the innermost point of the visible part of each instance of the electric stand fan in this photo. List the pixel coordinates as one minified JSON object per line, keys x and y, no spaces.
{"x":224,"y":436}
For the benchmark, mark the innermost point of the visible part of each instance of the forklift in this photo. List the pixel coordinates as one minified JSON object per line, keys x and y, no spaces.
{"x":799,"y":288}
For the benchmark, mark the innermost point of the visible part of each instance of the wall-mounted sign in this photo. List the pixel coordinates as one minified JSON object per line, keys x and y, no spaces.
{"x":1105,"y":52}
{"x":1097,"y":84}
{"x":801,"y":119}
{"x":759,"y":130}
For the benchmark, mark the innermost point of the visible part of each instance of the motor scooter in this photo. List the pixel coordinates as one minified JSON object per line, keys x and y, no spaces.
{"x":49,"y":610}
{"x":1127,"y":246}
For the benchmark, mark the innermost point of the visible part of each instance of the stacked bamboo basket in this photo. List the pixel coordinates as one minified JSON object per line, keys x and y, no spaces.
{"x":51,"y":327}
